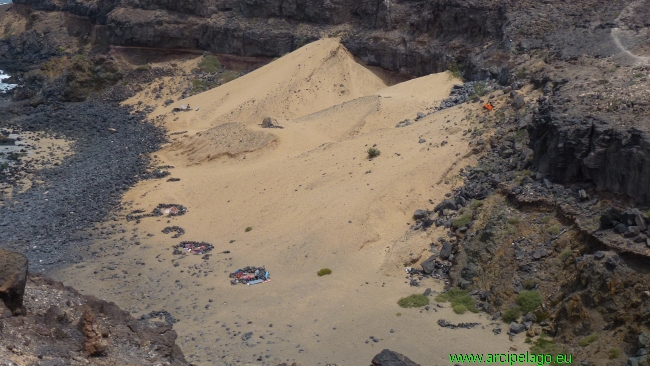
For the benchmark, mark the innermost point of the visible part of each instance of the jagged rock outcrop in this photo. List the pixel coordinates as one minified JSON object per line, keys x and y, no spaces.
{"x":13,"y":276}
{"x":415,"y":38}
{"x":573,"y":145}
{"x":390,"y":358}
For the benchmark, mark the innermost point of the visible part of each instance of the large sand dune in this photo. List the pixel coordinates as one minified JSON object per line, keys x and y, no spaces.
{"x":314,"y":200}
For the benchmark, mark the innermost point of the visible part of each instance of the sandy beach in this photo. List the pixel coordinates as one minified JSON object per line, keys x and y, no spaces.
{"x":314,"y":200}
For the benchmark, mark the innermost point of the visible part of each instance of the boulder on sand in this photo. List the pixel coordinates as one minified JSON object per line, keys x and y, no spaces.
{"x":390,"y":358}
{"x":429,"y":265}
{"x":13,"y":277}
{"x":269,"y":122}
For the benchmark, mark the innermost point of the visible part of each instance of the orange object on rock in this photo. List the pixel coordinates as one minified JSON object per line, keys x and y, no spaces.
{"x":488,"y":106}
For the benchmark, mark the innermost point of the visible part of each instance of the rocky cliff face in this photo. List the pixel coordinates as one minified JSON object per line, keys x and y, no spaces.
{"x":414,"y":38}
{"x":570,"y":148}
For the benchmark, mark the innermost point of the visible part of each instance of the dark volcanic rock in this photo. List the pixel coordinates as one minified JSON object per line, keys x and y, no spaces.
{"x":85,"y":187}
{"x":231,"y":26}
{"x":446,"y":250}
{"x":429,"y":265}
{"x":13,"y":276}
{"x":574,"y":147}
{"x":390,"y":358}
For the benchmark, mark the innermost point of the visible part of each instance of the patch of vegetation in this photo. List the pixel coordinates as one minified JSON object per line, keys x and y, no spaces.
{"x":229,"y":76}
{"x":614,"y":352}
{"x":480,"y":88}
{"x":648,"y":213}
{"x":60,"y":50}
{"x":462,"y":220}
{"x":566,"y":254}
{"x":455,"y":69}
{"x":542,"y":315}
{"x":373,"y":153}
{"x":460,"y":309}
{"x":80,"y":57}
{"x":413,"y":301}
{"x":210,"y":64}
{"x":543,"y":346}
{"x":199,"y":86}
{"x":528,"y":340}
{"x":511,"y":314}
{"x":584,"y":342}
{"x":513,"y":220}
{"x":529,"y":300}
{"x":324,"y":272}
{"x":545,"y":219}
{"x":529,"y":284}
{"x":248,"y":229}
{"x":145,"y":67}
{"x":4,"y":166}
{"x":457,"y":297}
{"x":522,"y":73}
{"x":398,"y":314}
{"x":639,"y":75}
{"x":8,"y":32}
{"x":476,"y":204}
{"x":553,"y":230}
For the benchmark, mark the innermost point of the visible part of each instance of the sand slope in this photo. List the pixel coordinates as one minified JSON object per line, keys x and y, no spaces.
{"x":313,"y":200}
{"x":315,"y":77}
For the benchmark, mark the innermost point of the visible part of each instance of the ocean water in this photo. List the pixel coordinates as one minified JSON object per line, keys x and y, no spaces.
{"x":3,"y":86}
{"x":4,"y":2}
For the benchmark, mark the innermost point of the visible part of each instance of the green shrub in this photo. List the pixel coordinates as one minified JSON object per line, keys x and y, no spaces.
{"x":373,"y":153}
{"x":461,"y":221}
{"x":542,"y":315}
{"x":229,"y":76}
{"x":543,"y":345}
{"x":457,"y":297}
{"x":59,"y":50}
{"x":614,"y":352}
{"x":145,"y":67}
{"x":460,"y":309}
{"x":210,"y":63}
{"x":566,"y":254}
{"x":455,"y":69}
{"x":584,"y":342}
{"x":398,"y":314}
{"x":511,"y":314}
{"x":529,"y":284}
{"x":553,"y":230}
{"x":513,"y":220}
{"x":648,"y":213}
{"x":476,"y":204}
{"x":529,"y":300}
{"x":639,"y":75}
{"x":480,"y":88}
{"x":323,"y":272}
{"x":528,"y":340}
{"x":413,"y":301}
{"x":248,"y":229}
